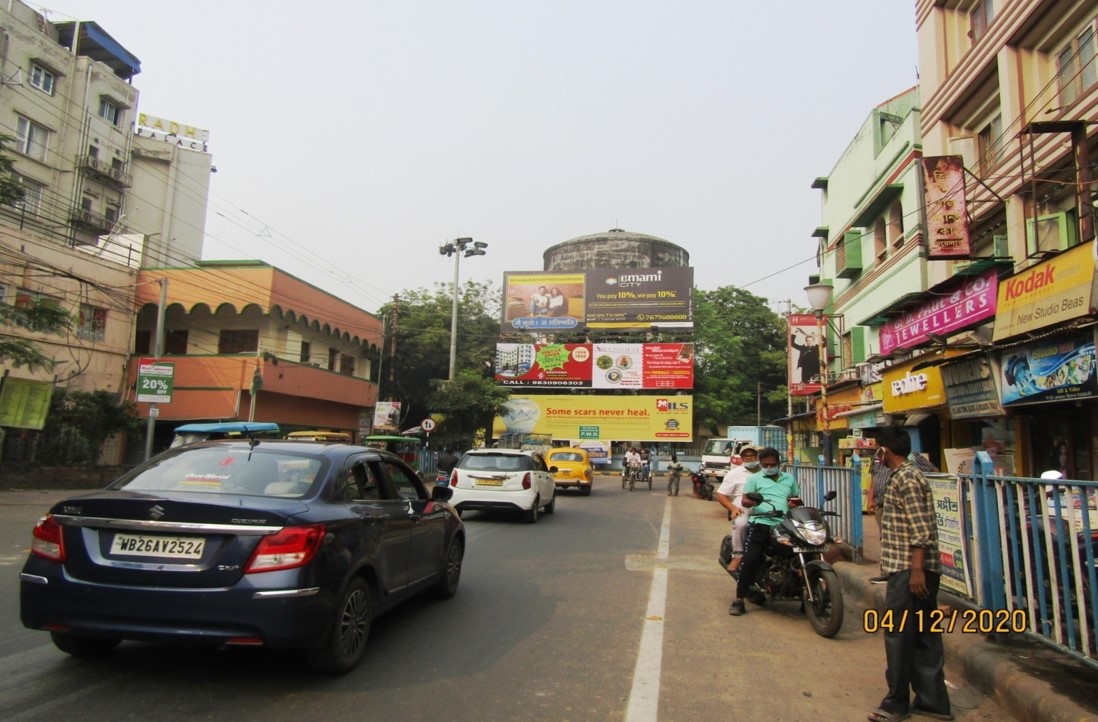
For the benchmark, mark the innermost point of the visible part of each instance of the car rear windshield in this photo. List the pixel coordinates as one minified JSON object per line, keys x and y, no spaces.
{"x":565,"y":456}
{"x":497,"y":462}
{"x":227,"y":470}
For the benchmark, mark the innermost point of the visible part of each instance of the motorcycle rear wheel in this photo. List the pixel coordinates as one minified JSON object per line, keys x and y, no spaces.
{"x":825,"y":614}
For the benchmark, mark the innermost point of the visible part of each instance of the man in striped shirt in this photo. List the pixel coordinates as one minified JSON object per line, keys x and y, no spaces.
{"x":910,"y":560}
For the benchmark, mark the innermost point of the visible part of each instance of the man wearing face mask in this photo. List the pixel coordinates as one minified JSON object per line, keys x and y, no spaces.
{"x":780,"y":491}
{"x":879,"y":479}
{"x":730,"y":496}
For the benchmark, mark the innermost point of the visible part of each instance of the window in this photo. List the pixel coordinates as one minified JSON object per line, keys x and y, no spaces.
{"x":979,"y":19}
{"x":880,"y":241}
{"x":41,"y":78}
{"x":333,"y":359}
{"x":346,"y":364}
{"x":992,"y":146}
{"x":112,"y":214}
{"x":32,"y":139}
{"x":305,"y":349}
{"x":109,"y":111}
{"x":175,"y":343}
{"x":3,"y":295}
{"x":406,"y":485}
{"x":93,"y":323}
{"x":896,"y":224}
{"x":31,"y":202}
{"x":238,"y":341}
{"x":1077,"y":67}
{"x":25,"y":298}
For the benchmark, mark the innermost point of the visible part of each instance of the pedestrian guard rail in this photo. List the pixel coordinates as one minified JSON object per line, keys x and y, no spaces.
{"x":1022,"y":551}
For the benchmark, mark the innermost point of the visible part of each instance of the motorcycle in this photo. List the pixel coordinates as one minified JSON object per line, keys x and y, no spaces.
{"x":793,"y":565}
{"x":703,"y":488}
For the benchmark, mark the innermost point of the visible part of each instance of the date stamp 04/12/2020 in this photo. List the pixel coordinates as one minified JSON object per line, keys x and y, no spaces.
{"x":940,"y":621}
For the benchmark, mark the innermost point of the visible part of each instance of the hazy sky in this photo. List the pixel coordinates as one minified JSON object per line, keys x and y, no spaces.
{"x":352,"y":138}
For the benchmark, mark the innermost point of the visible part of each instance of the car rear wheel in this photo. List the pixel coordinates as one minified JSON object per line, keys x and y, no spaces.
{"x":80,"y":646}
{"x":552,"y":505}
{"x":350,"y":628}
{"x":586,"y":490}
{"x":530,"y":516}
{"x":447,"y":584}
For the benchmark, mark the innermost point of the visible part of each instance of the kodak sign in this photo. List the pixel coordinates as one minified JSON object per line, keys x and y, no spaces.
{"x":1057,"y":290}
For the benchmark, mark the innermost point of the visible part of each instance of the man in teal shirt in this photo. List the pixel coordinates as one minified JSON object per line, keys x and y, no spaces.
{"x":780,"y":491}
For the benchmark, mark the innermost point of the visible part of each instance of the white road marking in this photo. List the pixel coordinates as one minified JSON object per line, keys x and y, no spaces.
{"x":644,"y":698}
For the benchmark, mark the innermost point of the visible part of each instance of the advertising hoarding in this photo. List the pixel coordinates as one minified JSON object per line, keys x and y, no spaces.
{"x":387,"y":416}
{"x":804,"y":354}
{"x":598,"y":298}
{"x":25,"y":404}
{"x":1050,"y":292}
{"x":635,"y":418}
{"x":1055,"y":369}
{"x":970,"y":388}
{"x":600,"y":366}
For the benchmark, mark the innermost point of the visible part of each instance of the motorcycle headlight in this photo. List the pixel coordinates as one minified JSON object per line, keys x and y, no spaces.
{"x":813,"y":533}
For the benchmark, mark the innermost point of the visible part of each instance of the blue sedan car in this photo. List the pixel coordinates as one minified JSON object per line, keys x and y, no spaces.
{"x":283,"y":544}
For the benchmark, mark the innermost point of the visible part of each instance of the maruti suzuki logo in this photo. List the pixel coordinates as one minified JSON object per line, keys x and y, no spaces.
{"x":1016,"y":286}
{"x":156,"y":512}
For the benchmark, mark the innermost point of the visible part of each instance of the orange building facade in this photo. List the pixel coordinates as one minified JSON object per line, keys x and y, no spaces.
{"x":229,"y":323}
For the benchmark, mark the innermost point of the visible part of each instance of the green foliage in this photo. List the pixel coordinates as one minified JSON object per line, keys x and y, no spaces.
{"x":470,"y":402}
{"x":10,"y":189}
{"x":419,"y":329}
{"x":79,"y":423}
{"x":740,"y":349}
{"x":43,"y":317}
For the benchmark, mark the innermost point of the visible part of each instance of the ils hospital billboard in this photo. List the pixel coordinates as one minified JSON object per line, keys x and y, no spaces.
{"x":599,"y":298}
{"x":638,"y":418}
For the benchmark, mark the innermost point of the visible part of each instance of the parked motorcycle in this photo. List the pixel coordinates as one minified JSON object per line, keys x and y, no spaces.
{"x":793,"y":566}
{"x":703,"y":488}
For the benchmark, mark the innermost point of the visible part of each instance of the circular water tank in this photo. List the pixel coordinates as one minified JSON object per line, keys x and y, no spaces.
{"x":615,"y":248}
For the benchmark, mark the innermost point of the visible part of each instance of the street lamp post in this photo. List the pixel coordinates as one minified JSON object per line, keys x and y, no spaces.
{"x":819,"y":298}
{"x":457,"y":248}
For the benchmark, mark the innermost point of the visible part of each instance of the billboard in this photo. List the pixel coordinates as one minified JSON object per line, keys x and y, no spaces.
{"x":25,"y":404}
{"x":964,"y":302}
{"x":387,"y":416}
{"x":632,"y":418}
{"x":1053,"y":291}
{"x":600,"y":366}
{"x":1055,"y":369}
{"x":598,"y":298}
{"x":804,"y":354}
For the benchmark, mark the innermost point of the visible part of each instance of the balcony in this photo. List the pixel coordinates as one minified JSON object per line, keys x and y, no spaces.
{"x":848,"y":256}
{"x":90,"y":220}
{"x":102,"y":170}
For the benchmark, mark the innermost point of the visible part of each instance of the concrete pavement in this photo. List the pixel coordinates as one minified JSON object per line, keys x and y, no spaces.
{"x":1027,"y":678}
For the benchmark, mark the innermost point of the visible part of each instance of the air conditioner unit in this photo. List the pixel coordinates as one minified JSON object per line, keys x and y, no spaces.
{"x":1051,"y":233}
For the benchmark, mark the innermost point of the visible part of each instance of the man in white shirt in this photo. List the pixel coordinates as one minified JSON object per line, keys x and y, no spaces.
{"x":730,"y":496}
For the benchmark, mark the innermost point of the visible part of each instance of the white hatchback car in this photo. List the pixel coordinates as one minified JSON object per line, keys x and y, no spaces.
{"x":490,"y":479}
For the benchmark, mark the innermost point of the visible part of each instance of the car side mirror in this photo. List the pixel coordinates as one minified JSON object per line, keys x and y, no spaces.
{"x":441,"y":493}
{"x":830,"y":495}
{"x":553,"y":469}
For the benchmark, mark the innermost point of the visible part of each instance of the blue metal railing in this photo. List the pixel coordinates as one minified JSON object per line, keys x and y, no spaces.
{"x":846,"y":482}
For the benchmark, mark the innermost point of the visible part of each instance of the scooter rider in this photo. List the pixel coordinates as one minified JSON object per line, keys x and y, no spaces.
{"x":780,"y":491}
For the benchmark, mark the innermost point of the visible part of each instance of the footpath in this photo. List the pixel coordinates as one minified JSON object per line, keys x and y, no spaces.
{"x":1025,"y":677}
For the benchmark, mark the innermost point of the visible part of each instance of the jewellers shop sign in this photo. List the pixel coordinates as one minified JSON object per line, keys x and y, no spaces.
{"x":962,"y":303}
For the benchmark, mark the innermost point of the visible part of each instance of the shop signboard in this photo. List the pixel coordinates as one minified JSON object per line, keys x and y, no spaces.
{"x":599,"y":298}
{"x":1058,"y":368}
{"x":951,"y":532}
{"x":906,"y":389}
{"x":601,"y":366}
{"x":944,"y":207}
{"x":1048,"y":293}
{"x":963,"y":302}
{"x":387,"y":416}
{"x":639,"y":418}
{"x":970,"y":388}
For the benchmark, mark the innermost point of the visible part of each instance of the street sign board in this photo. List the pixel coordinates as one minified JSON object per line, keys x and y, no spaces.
{"x":428,"y":425}
{"x":155,"y":382}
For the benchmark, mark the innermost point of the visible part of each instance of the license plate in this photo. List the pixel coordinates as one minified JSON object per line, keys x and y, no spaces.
{"x":564,"y":472}
{"x":489,"y":482}
{"x":170,"y":547}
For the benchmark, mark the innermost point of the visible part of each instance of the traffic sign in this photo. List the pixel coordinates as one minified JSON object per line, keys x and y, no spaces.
{"x":428,"y":425}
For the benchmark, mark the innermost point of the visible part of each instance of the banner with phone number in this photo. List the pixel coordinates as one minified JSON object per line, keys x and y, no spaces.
{"x":601,"y":366}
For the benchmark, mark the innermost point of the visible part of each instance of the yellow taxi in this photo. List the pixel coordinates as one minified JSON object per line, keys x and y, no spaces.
{"x":573,"y":468}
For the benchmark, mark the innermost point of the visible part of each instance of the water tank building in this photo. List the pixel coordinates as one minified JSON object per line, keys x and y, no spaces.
{"x":615,"y":248}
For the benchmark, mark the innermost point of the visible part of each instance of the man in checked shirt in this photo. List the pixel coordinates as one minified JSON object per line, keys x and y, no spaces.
{"x":909,"y":558}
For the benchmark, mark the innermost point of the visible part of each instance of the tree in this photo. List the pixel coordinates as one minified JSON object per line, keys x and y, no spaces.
{"x":740,"y":348}
{"x":79,"y":423}
{"x":42,"y":317}
{"x":469,"y":402}
{"x":419,"y":334}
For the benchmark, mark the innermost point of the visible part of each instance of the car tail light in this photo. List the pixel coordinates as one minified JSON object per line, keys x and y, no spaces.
{"x":48,"y":541}
{"x":454,"y":478}
{"x":526,"y":480}
{"x":292,"y":547}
